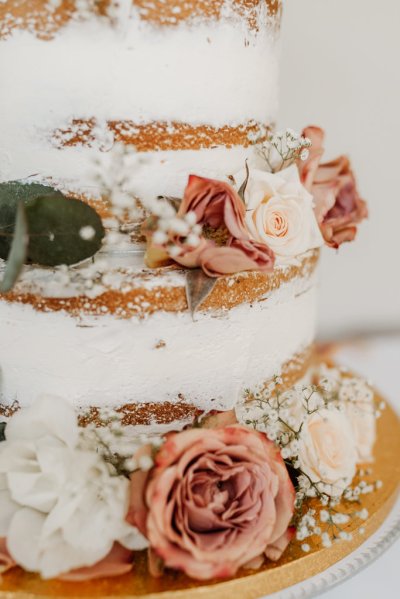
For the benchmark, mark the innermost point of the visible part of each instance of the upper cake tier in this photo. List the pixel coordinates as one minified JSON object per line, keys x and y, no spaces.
{"x":191,"y":84}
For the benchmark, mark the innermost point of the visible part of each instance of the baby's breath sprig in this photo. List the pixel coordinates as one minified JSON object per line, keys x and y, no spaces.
{"x":282,"y":149}
{"x":325,"y":519}
{"x":169,"y":230}
{"x":117,"y":448}
{"x":323,"y":510}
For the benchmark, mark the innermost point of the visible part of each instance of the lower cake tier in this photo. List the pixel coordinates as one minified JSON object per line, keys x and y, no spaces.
{"x":325,"y":527}
{"x":167,"y":361}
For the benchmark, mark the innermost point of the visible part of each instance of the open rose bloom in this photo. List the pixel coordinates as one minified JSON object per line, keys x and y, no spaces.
{"x":215,"y":501}
{"x":338,"y":205}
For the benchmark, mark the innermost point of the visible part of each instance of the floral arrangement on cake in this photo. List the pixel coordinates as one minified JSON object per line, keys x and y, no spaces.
{"x":268,"y":214}
{"x":292,"y":205}
{"x":228,"y":492}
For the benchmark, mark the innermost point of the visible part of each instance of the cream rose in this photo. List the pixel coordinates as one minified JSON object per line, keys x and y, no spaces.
{"x":327,"y":450}
{"x":280,"y":213}
{"x":358,"y":399}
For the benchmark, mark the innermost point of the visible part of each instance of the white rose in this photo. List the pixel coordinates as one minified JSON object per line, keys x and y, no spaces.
{"x":62,"y":507}
{"x":358,"y":401}
{"x":327,"y":450}
{"x":279,"y":213}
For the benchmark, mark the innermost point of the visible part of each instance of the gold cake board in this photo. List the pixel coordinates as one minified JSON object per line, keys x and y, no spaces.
{"x":294,"y":567}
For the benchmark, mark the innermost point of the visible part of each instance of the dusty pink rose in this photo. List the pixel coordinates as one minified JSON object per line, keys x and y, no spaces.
{"x":239,"y":255}
{"x":309,"y":167}
{"x":216,"y":204}
{"x":6,"y":561}
{"x":215,"y":501}
{"x":338,"y":205}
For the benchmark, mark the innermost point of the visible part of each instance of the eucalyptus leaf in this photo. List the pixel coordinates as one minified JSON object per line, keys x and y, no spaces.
{"x":2,"y":431}
{"x":11,"y":194}
{"x":243,"y":187}
{"x":198,"y":288}
{"x":17,"y":255}
{"x":61,"y":230}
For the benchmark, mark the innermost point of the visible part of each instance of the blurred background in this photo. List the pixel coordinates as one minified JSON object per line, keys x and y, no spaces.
{"x":340,"y":70}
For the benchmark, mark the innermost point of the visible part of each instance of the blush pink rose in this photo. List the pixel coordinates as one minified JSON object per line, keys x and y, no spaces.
{"x":239,"y":255}
{"x":338,"y":205}
{"x":216,"y":204}
{"x":215,"y":501}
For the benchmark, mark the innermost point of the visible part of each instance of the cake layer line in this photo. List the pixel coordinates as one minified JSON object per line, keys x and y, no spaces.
{"x":126,"y":294}
{"x":159,"y":136}
{"x":45,"y":18}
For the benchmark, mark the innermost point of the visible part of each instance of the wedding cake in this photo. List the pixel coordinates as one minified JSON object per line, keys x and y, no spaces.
{"x":160,"y":242}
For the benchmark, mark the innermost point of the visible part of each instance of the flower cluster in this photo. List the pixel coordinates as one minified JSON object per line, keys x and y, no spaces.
{"x":57,"y":493}
{"x":225,"y":494}
{"x":225,"y":246}
{"x":282,"y":149}
{"x":324,"y":430}
{"x":274,"y":214}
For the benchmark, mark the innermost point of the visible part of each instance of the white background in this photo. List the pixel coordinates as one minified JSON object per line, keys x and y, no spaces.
{"x":341,"y":70}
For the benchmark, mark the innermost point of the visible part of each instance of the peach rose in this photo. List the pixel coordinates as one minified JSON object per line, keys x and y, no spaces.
{"x":215,"y":501}
{"x":358,"y":399}
{"x":327,"y":450}
{"x":280,"y":214}
{"x":338,"y":205}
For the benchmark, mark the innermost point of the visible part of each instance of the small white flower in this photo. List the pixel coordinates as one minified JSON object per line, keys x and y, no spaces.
{"x":145,"y":463}
{"x":304,"y":154}
{"x":160,"y":237}
{"x":87,"y":233}
{"x":63,"y":507}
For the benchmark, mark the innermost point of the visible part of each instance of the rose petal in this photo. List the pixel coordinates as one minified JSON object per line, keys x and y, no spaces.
{"x":116,"y":563}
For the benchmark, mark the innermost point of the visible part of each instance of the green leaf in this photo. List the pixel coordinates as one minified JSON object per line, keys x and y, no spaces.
{"x":61,"y":230}
{"x":2,"y":431}
{"x":198,"y":288}
{"x":57,"y":227}
{"x":17,"y":255}
{"x":11,"y":193}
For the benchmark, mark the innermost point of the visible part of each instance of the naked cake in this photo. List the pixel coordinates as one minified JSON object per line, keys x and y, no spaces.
{"x":160,"y":241}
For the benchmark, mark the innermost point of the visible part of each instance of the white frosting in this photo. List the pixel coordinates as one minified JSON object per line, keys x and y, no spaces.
{"x":214,"y":73}
{"x":106,"y":361}
{"x":167,"y":171}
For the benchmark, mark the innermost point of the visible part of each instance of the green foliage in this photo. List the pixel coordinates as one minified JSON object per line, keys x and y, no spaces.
{"x":58,"y":230}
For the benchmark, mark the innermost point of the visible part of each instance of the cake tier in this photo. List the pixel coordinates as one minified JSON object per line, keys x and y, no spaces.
{"x":190,"y":85}
{"x":134,"y":342}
